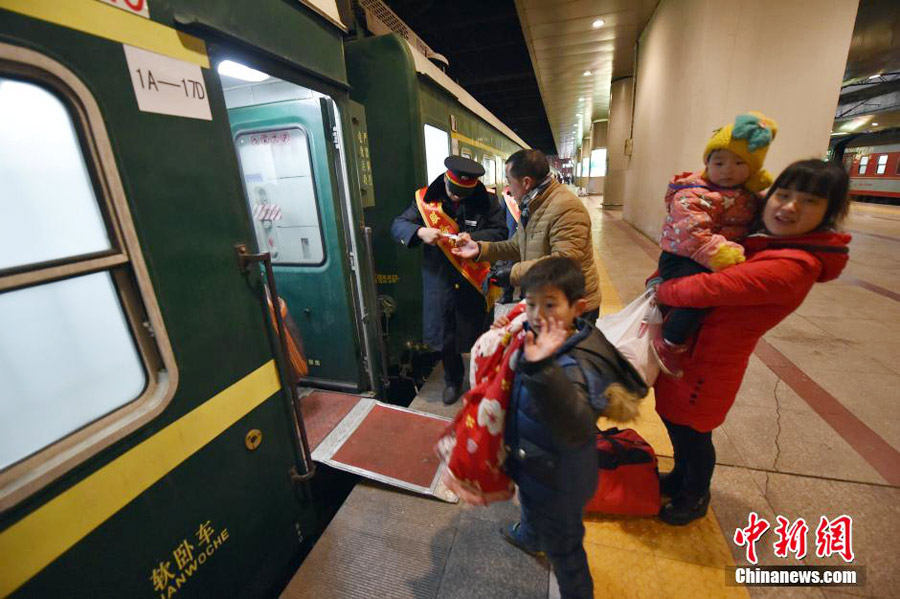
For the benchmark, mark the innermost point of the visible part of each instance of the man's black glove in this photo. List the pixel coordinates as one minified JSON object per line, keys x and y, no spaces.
{"x":500,"y":274}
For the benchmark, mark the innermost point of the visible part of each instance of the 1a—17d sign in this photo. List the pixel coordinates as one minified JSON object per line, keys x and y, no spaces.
{"x":167,"y":86}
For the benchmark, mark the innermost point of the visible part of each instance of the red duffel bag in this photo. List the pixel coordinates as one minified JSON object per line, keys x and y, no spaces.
{"x":629,"y":479}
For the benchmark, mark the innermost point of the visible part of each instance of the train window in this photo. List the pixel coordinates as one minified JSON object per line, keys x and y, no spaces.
{"x":437,"y":148}
{"x":488,"y":162}
{"x":863,"y":163}
{"x":75,"y":331}
{"x":277,"y":172}
{"x":52,"y":212}
{"x":86,"y":357}
{"x":882,"y":164}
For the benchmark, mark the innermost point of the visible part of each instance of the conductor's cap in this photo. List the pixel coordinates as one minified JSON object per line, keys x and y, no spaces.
{"x":462,"y":175}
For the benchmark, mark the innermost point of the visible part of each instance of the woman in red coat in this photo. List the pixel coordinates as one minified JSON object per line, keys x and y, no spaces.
{"x":796,"y":247}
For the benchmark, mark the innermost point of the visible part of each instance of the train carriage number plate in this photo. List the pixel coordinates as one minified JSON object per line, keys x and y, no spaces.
{"x":167,"y":86}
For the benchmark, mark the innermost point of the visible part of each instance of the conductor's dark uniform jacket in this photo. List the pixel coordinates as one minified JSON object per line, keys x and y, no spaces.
{"x":454,"y":312}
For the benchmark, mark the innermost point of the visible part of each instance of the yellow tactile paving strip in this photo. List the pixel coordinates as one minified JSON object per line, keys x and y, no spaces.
{"x":636,"y":558}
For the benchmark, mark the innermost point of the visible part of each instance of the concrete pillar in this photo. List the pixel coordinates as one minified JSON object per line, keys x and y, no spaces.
{"x":619,"y":130}
{"x":701,"y":62}
{"x":598,"y":140}
{"x":584,"y":155}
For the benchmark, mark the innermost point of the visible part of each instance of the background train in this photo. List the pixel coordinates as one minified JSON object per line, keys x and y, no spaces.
{"x":148,"y":444}
{"x":874,"y":166}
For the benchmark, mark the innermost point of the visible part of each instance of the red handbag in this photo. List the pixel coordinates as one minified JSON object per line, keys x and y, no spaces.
{"x":629,"y":478}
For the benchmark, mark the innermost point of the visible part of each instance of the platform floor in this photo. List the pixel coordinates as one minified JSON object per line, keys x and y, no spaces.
{"x":814,"y":431}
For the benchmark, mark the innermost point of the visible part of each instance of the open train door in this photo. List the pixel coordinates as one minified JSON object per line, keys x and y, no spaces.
{"x":294,"y":172}
{"x":379,"y":441}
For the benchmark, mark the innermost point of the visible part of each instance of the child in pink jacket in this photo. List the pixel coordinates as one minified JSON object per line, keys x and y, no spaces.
{"x":708,"y":213}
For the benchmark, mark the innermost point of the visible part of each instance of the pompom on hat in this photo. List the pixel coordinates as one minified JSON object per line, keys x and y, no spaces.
{"x":749,"y":137}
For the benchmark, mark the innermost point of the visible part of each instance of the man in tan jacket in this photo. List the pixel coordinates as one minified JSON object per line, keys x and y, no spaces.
{"x":553,"y":222}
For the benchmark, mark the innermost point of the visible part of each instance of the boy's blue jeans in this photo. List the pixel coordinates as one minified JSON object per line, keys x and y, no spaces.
{"x":557,"y":528}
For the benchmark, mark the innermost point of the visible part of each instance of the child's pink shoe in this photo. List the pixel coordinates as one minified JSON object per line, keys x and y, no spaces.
{"x":670,"y":356}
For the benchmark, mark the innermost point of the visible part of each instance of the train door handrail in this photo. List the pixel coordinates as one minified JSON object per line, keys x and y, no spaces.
{"x":298,"y":427}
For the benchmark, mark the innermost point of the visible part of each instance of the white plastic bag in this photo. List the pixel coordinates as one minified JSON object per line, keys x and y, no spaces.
{"x":632,"y":329}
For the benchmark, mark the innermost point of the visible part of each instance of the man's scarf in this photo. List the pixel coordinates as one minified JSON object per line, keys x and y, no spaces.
{"x":528,"y":197}
{"x":472,"y":446}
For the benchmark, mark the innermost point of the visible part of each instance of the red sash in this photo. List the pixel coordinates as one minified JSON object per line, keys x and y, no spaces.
{"x":474,"y":272}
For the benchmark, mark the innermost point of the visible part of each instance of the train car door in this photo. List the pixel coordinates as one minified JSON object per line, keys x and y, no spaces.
{"x":285,"y":146}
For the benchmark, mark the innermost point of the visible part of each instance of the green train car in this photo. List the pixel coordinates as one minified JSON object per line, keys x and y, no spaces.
{"x":166,"y":160}
{"x":416,"y":116}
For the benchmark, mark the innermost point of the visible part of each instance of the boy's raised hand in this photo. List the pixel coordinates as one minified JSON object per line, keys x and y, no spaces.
{"x":553,"y":335}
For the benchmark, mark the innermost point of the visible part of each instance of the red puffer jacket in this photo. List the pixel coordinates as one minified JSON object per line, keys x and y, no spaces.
{"x":748,"y":299}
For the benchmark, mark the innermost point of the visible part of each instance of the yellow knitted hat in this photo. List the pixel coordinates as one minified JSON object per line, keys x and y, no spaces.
{"x":749,"y":137}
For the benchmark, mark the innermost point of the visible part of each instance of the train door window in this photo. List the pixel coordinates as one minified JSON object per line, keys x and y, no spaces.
{"x":501,"y":171}
{"x":80,"y":366}
{"x":437,"y":148}
{"x":882,"y":164}
{"x":863,"y":163}
{"x":277,"y":172}
{"x":276,"y":164}
{"x":488,"y":162}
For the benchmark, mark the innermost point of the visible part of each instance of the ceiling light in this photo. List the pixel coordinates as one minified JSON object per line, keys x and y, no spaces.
{"x":874,"y":76}
{"x":586,"y":73}
{"x":598,"y":23}
{"x":874,"y":124}
{"x":239,"y":71}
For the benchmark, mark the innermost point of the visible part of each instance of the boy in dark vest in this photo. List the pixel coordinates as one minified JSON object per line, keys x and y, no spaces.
{"x":567,"y":376}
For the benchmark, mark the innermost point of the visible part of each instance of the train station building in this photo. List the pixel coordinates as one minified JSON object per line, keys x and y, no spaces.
{"x":218,"y":367}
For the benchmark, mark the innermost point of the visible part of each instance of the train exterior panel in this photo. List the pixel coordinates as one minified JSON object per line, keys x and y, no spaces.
{"x":874,"y":171}
{"x":414,"y":122}
{"x":194,"y":495}
{"x":199,"y":487}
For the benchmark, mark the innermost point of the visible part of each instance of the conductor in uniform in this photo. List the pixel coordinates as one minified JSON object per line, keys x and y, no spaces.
{"x":454,"y":311}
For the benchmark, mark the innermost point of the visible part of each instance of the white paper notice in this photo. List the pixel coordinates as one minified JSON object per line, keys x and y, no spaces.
{"x":167,"y":86}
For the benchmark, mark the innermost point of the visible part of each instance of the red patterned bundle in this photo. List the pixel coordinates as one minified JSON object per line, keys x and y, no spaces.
{"x":472,"y":447}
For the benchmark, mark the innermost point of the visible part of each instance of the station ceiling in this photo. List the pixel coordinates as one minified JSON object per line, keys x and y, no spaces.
{"x":870,"y":96}
{"x":525,"y":60}
{"x":578,"y":47}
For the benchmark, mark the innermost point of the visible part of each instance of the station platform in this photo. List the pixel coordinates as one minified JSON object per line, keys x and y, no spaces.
{"x":814,"y":432}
